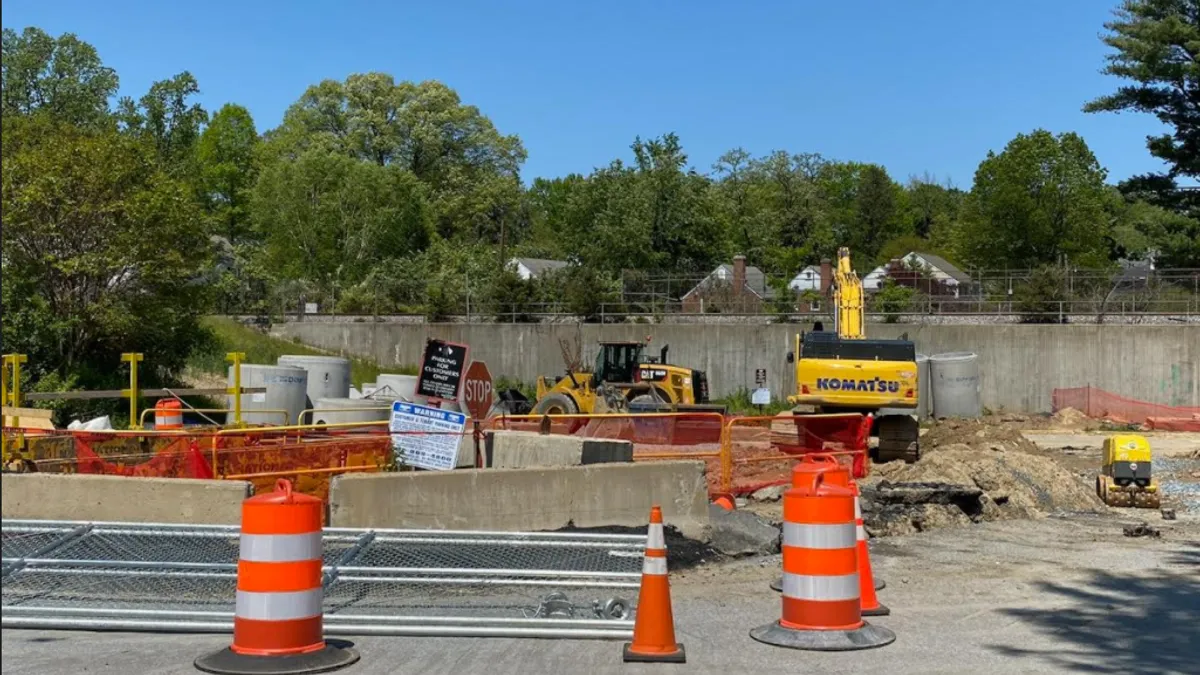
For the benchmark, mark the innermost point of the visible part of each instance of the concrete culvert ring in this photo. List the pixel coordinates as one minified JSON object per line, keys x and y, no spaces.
{"x":556,"y":404}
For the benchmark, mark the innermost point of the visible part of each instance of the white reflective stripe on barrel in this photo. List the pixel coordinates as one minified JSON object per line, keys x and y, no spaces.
{"x":818,"y":536}
{"x":857,"y":509}
{"x":862,"y":532}
{"x":825,"y":588}
{"x":655,"y":538}
{"x":278,"y":606}
{"x":654,"y":566}
{"x":281,"y":547}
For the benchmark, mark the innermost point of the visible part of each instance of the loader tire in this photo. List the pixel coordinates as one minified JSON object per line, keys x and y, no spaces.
{"x":556,"y":404}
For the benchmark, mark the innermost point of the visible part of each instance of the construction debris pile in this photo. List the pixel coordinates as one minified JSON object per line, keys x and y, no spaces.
{"x":971,"y":472}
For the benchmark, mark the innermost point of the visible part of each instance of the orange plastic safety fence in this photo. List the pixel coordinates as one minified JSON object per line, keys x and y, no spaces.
{"x":761,"y":450}
{"x":1101,"y":404}
{"x":173,"y":456}
{"x":654,"y":435}
{"x":310,"y":463}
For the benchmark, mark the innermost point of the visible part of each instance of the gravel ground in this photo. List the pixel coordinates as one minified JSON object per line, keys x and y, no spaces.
{"x":1041,"y":596}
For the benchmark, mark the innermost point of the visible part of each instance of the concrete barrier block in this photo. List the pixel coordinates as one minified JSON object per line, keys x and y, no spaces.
{"x":534,"y":499}
{"x":522,"y":449}
{"x":45,"y":496}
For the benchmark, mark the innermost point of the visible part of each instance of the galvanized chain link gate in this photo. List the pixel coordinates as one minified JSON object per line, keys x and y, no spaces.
{"x":182,"y":578}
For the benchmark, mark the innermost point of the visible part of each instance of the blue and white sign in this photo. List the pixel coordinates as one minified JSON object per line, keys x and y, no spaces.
{"x":761,"y":396}
{"x":426,"y":437}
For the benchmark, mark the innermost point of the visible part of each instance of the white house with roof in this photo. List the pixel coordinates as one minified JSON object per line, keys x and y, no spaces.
{"x":938,"y":268}
{"x":532,"y":268}
{"x":809,"y":279}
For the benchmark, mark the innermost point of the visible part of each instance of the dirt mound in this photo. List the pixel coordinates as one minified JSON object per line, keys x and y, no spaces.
{"x":1070,"y":418}
{"x":992,"y":478}
{"x":975,"y":434}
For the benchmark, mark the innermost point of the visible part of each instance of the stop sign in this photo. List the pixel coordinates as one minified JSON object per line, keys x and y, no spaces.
{"x":477,"y":390}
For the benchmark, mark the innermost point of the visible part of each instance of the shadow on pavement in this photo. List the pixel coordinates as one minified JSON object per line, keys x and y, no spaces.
{"x":1120,"y":624}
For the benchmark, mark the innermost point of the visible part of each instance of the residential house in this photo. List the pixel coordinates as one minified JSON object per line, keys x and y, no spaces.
{"x":925,"y":272}
{"x":737,"y":288}
{"x":532,"y":268}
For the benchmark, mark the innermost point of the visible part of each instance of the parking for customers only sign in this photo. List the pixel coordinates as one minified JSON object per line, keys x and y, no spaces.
{"x":442,"y":370}
{"x":426,"y":437}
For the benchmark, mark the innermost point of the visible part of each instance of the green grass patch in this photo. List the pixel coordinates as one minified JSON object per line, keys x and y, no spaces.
{"x":738,"y":403}
{"x":228,"y":335}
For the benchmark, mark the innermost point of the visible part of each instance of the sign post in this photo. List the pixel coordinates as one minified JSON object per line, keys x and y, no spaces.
{"x":477,"y":395}
{"x":761,"y":395}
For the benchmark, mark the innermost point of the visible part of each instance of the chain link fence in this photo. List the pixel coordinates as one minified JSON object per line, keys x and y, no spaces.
{"x":163,"y":577}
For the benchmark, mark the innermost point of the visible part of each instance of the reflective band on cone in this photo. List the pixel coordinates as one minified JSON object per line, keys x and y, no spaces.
{"x":654,"y":626}
{"x":277,"y":621}
{"x":869,"y":603}
{"x":820,"y":585}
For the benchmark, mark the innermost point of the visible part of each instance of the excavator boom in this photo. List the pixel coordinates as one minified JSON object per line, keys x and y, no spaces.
{"x":848,"y":298}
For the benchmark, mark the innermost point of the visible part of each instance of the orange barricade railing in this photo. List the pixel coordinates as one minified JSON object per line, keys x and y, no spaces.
{"x":684,"y":435}
{"x":1101,"y":404}
{"x":758,"y":452}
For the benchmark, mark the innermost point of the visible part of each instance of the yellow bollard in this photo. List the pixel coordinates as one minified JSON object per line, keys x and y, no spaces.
{"x":236,"y":390}
{"x":132,"y":358}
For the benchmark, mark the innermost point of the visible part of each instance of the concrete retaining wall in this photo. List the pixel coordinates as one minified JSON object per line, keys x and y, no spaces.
{"x":1020,"y":364}
{"x":117,"y":498}
{"x":522,"y":449}
{"x":596,"y":495}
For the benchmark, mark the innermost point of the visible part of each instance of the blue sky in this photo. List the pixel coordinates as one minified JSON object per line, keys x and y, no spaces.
{"x":918,"y":86}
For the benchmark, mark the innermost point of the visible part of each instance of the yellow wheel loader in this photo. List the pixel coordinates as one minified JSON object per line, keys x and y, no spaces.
{"x":1125,"y":478}
{"x":625,"y":380}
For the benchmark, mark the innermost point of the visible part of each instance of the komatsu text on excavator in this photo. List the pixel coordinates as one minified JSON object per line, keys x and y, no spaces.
{"x":844,"y":371}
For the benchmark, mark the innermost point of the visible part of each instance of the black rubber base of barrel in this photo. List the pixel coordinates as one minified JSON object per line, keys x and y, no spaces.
{"x":866,"y":637}
{"x":881,"y":610}
{"x":777,"y":585}
{"x":336,"y":654}
{"x":677,"y":656}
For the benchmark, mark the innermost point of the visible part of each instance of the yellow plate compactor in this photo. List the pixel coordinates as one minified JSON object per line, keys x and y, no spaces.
{"x":1125,"y":478}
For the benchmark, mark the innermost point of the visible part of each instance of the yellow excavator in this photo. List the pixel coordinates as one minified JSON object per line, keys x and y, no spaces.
{"x":1125,"y":478}
{"x":844,"y":371}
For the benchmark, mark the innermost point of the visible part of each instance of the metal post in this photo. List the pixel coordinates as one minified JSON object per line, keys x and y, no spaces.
{"x":236,"y":390}
{"x":15,"y":360}
{"x":132,"y":358}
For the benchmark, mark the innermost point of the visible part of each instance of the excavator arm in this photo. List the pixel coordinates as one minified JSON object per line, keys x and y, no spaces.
{"x":848,"y":297}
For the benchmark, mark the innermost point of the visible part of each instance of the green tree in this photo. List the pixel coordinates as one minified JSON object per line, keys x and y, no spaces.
{"x":103,"y":253}
{"x":328,"y":218}
{"x":1157,"y":48}
{"x":227,"y":171}
{"x":469,"y":168}
{"x":1039,"y":200}
{"x":168,"y":119}
{"x":62,"y":77}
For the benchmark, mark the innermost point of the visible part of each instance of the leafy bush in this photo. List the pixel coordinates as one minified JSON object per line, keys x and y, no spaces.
{"x":892,"y":300}
{"x":1040,"y":298}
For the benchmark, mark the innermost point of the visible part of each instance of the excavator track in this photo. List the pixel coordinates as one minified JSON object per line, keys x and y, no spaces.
{"x":899,"y":438}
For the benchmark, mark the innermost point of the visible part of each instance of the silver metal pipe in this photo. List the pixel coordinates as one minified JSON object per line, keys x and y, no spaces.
{"x":468,"y":581}
{"x":16,"y":525}
{"x":496,"y":534}
{"x":516,"y":543}
{"x":126,"y":564}
{"x":483,"y":572}
{"x":379,"y":574}
{"x":63,"y":623}
{"x":328,"y":618}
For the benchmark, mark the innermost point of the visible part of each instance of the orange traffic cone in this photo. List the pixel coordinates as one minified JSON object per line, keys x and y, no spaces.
{"x":654,"y":627}
{"x":866,"y":581}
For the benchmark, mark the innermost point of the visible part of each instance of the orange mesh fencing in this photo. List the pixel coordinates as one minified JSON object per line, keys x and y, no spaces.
{"x":1100,"y":404}
{"x":1174,"y":423}
{"x":762,"y":450}
{"x":310,"y":461}
{"x":687,"y":435}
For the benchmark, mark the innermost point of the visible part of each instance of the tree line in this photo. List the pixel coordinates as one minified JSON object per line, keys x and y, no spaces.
{"x":126,"y":220}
